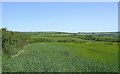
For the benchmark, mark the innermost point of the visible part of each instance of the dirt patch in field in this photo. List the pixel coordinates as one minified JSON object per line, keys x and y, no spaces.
{"x":18,"y":53}
{"x":22,"y":51}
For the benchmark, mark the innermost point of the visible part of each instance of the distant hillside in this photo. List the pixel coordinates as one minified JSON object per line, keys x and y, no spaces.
{"x":115,"y":34}
{"x":35,"y":33}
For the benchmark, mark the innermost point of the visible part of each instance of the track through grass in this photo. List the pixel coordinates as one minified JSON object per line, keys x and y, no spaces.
{"x":65,"y":57}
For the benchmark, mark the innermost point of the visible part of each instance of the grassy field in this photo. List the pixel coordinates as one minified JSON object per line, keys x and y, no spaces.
{"x":55,"y":39}
{"x":64,"y":52}
{"x":65,"y":57}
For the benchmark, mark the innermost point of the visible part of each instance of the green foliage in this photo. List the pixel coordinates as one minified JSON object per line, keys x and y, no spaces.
{"x":100,"y":36}
{"x":13,"y":41}
{"x":0,"y":51}
{"x":60,"y":52}
{"x":65,"y":57}
{"x":43,"y":34}
{"x":35,"y":40}
{"x":58,"y":39}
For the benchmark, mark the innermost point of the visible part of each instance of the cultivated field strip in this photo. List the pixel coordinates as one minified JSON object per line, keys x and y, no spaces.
{"x":64,"y":57}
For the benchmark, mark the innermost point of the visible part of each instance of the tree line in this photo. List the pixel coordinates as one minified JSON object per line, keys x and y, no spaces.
{"x":12,"y":42}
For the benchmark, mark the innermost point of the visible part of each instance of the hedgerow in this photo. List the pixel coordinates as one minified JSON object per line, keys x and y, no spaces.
{"x":12,"y":42}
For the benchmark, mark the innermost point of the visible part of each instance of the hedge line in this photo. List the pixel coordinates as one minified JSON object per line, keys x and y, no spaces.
{"x":12,"y":42}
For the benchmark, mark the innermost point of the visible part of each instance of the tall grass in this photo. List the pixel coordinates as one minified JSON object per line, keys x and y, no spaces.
{"x":65,"y":57}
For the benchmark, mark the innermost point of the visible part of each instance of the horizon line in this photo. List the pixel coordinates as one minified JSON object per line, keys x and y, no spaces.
{"x":67,"y":31}
{"x":58,"y":31}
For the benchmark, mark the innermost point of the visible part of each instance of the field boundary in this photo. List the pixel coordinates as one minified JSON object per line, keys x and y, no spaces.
{"x":21,"y":51}
{"x":89,"y":42}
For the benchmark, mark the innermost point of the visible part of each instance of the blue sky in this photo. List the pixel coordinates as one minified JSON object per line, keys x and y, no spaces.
{"x":60,"y":16}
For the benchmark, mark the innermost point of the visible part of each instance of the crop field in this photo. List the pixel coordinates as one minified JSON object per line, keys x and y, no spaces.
{"x":60,"y":37}
{"x":65,"y":57}
{"x":42,"y":34}
{"x":58,"y":52}
{"x":55,"y":39}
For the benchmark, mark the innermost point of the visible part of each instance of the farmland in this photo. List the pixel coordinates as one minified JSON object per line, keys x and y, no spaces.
{"x":62,"y":52}
{"x":40,"y":57}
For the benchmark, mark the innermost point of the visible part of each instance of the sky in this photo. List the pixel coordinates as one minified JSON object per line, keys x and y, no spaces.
{"x":60,"y":16}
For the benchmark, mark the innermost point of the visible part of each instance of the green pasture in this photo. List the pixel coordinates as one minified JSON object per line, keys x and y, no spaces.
{"x":59,"y":52}
{"x":55,"y":39}
{"x":42,"y":34}
{"x":65,"y":57}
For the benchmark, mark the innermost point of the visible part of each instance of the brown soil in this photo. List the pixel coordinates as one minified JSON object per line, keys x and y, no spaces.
{"x":18,"y":53}
{"x":22,"y":51}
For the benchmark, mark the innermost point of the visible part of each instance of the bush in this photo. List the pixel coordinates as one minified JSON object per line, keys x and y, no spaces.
{"x":69,"y":41}
{"x":34,"y":40}
{"x":13,"y":41}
